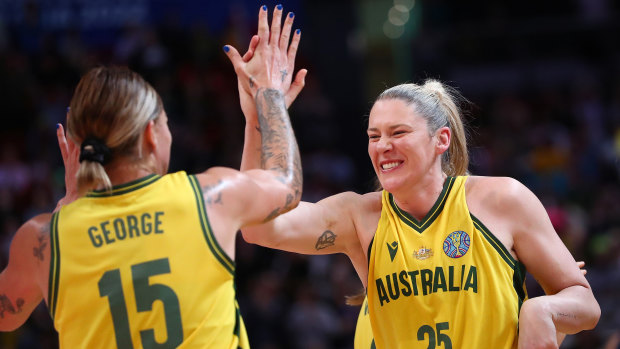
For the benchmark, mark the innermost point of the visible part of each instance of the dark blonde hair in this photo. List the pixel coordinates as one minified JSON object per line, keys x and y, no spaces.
{"x":111,"y":105}
{"x":437,"y":103}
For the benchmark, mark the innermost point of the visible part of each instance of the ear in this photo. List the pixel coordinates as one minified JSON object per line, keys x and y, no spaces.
{"x":149,"y":141}
{"x":443,"y":136}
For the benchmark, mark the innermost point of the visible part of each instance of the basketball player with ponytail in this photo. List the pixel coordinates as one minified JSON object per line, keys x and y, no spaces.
{"x":442,"y":253}
{"x":134,"y":257}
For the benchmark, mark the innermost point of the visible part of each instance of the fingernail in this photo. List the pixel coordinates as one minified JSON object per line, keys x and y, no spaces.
{"x":291,"y":14}
{"x":279,"y":6}
{"x":298,"y":31}
{"x":68,"y":108}
{"x":226,"y":48}
{"x":58,"y":125}
{"x":264,"y":7}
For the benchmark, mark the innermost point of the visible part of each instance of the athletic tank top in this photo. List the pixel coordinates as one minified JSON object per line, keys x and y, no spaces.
{"x":363,"y":331}
{"x":443,"y":282}
{"x":139,"y":267}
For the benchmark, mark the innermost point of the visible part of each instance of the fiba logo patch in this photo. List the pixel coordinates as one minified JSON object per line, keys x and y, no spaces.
{"x":456,"y":244}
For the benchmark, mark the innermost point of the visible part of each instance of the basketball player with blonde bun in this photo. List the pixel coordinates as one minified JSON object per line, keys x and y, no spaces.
{"x":442,"y":254}
{"x":145,"y":259}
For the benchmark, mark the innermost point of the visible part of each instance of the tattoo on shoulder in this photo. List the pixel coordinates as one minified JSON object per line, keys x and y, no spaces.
{"x":327,"y":239}
{"x":42,"y":242}
{"x":251,"y":82}
{"x":212,"y":194}
{"x":7,"y":306}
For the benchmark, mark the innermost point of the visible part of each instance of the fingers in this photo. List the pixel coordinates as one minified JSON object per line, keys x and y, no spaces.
{"x":581,"y":264}
{"x":263,"y":26}
{"x":250,"y":53}
{"x":62,"y":143}
{"x":296,"y":87}
{"x":275,"y":26}
{"x":286,"y":31}
{"x":292,"y":50}
{"x":584,"y":271}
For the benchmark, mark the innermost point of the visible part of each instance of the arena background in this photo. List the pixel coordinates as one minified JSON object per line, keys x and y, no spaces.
{"x":543,"y":78}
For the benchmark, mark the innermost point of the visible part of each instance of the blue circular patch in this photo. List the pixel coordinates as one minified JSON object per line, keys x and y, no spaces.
{"x":456,"y":244}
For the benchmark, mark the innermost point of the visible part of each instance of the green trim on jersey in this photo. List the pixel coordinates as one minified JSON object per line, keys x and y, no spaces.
{"x":52,"y":286}
{"x":215,"y":248}
{"x":492,"y":239}
{"x":518,"y":278}
{"x":431,"y":215}
{"x":124,"y":188}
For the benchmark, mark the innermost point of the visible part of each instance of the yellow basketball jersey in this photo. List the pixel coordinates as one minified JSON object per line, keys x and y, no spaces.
{"x":443,"y":282}
{"x":363,"y":330}
{"x":139,"y":267}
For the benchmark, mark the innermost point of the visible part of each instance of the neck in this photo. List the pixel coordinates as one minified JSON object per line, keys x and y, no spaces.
{"x":419,"y":198}
{"x":124,"y":170}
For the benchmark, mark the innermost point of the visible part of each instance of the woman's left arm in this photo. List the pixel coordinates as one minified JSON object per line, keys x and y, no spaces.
{"x":569,"y":305}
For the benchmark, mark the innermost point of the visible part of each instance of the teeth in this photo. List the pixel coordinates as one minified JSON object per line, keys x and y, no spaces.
{"x":389,"y":165}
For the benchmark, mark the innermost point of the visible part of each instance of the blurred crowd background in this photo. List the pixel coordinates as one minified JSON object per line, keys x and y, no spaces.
{"x":543,"y":79}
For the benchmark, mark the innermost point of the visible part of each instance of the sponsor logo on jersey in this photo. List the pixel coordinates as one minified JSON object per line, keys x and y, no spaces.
{"x":456,"y":244}
{"x":392,"y":249}
{"x":423,"y":253}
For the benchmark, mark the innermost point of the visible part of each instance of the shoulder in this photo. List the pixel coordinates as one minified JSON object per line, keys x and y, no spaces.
{"x":500,"y":192}
{"x":355,"y":202}
{"x":31,"y":241}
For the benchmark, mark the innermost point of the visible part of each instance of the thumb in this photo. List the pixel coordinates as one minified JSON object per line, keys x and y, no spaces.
{"x":234,"y":56}
{"x":296,"y":86}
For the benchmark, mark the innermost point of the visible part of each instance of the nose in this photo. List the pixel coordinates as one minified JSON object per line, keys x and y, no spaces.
{"x":384,"y":144}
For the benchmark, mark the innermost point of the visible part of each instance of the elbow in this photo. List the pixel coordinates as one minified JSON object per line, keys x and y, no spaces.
{"x":249,"y":236}
{"x":595,"y":315}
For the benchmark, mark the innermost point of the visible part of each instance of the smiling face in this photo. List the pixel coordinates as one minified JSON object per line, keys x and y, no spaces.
{"x":400,"y":145}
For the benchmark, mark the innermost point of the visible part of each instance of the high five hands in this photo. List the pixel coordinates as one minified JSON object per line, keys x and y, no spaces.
{"x":269,"y":61}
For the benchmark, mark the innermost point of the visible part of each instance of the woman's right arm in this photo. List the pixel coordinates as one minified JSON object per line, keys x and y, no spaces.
{"x":24,"y":280}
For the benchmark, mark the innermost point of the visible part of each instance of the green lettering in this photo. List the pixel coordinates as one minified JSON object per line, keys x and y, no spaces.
{"x":462,"y":274}
{"x":472,"y":280}
{"x":119,"y":228}
{"x":395,"y":293}
{"x":414,"y":285}
{"x":147,"y":226}
{"x":158,"y":214}
{"x":426,"y":276}
{"x":95,"y":239}
{"x":106,"y":233}
{"x":439,"y":282}
{"x":132,"y":226}
{"x":452,"y":287}
{"x":381,"y":292}
{"x":403,"y":280}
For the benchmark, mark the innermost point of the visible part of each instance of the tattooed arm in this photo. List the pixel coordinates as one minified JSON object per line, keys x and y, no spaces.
{"x":23,"y":283}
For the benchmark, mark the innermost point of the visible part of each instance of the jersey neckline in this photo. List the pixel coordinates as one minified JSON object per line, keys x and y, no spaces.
{"x":432,"y":214}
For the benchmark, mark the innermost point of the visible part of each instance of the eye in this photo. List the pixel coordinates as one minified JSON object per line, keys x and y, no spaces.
{"x":399,"y":132}
{"x":373,"y":137}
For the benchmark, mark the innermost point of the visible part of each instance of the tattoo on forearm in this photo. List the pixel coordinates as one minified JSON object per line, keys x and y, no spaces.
{"x":566,"y":315}
{"x":272,"y":215}
{"x":7,"y":306}
{"x":251,"y":82}
{"x":327,"y":239}
{"x":284,"y":74}
{"x":279,"y":149}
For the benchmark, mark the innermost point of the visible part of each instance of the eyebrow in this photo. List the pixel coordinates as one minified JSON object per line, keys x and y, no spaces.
{"x":391,"y":127}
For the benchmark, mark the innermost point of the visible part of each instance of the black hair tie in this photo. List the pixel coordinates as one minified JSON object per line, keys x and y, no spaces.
{"x":95,"y":150}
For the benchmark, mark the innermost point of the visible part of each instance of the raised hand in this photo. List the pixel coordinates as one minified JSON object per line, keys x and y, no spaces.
{"x":70,"y":157}
{"x":270,"y":59}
